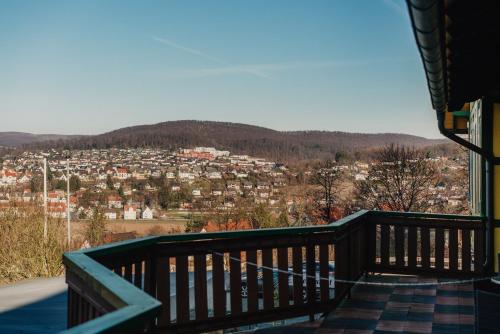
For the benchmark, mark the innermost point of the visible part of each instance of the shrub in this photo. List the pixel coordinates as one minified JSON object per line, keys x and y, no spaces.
{"x":23,"y":251}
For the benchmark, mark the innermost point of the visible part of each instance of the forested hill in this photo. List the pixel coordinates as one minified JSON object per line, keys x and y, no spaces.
{"x":240,"y":139}
{"x":13,"y":139}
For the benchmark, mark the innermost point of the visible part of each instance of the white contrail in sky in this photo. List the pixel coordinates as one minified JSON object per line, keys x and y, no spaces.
{"x":260,"y":70}
{"x":274,"y":68}
{"x":188,"y":50}
{"x":201,"y":54}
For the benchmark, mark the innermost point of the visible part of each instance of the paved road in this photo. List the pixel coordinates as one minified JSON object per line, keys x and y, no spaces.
{"x":33,"y":306}
{"x":39,"y":305}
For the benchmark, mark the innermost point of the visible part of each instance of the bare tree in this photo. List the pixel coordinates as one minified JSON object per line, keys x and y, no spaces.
{"x":96,"y":227}
{"x":398,"y":180}
{"x":327,"y":176}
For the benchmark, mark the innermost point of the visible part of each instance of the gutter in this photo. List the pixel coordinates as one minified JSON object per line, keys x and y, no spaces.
{"x":427,"y":19}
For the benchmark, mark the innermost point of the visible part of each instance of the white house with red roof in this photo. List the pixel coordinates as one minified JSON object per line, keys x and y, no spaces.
{"x":56,"y":210}
{"x":122,"y":173}
{"x":114,"y":202}
{"x":130,"y":212}
{"x":8,"y":177}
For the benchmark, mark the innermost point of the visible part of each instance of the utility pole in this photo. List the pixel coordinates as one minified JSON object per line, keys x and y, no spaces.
{"x":68,"y":203}
{"x":45,"y":199}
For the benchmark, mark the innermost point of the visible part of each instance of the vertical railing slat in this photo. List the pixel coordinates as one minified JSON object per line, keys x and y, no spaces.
{"x":453,"y":249}
{"x":425,"y":247}
{"x":268,"y":279}
{"x":478,"y":250}
{"x":399,"y":238}
{"x":235,"y":282}
{"x":412,"y":247}
{"x":252,"y":287}
{"x":128,"y":272}
{"x":79,"y":315}
{"x":384,"y":245}
{"x":148,"y":282}
{"x":163,"y":289}
{"x":311,"y":273}
{"x":341,"y":268}
{"x":283,"y":277}
{"x":371,"y":249}
{"x":219,"y":292}
{"x":83,"y":312}
{"x":182,"y":288}
{"x":324,"y":272}
{"x":200,"y":286}
{"x":466,"y":249}
{"x":298,"y":295}
{"x":90,"y":311}
{"x":138,"y":274}
{"x":439,"y":249}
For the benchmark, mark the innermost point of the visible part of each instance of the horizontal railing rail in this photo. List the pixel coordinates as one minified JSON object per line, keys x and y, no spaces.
{"x":206,"y":281}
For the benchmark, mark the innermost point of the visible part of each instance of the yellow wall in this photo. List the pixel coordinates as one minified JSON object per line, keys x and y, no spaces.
{"x":448,"y":120}
{"x":461,"y":123}
{"x":496,"y":189}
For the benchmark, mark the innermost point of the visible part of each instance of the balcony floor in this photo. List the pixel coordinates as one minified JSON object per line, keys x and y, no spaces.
{"x":442,"y":309}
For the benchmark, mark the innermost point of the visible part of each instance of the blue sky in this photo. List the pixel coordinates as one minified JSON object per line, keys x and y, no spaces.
{"x":90,"y":66}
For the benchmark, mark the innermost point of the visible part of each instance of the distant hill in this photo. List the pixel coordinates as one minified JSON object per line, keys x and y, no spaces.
{"x":240,"y":139}
{"x":14,"y":139}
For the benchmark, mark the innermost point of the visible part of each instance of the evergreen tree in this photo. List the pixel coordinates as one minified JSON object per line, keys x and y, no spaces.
{"x":261,"y":217}
{"x":164,"y":197}
{"x":74,"y":183}
{"x":282,"y":220}
{"x":109,"y":182}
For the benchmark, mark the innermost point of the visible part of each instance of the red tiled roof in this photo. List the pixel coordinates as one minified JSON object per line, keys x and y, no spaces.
{"x":242,"y":224}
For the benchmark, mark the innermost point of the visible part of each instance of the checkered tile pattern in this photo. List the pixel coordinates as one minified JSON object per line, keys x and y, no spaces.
{"x":441,"y":309}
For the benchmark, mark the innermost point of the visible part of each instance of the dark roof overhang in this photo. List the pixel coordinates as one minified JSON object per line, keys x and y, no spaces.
{"x":459,"y":43}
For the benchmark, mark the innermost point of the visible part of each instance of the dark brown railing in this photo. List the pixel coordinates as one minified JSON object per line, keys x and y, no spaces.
{"x":425,"y":244}
{"x":210,"y":281}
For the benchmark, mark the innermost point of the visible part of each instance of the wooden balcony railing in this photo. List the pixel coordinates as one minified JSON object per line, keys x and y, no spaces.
{"x":207,"y":281}
{"x":425,"y":244}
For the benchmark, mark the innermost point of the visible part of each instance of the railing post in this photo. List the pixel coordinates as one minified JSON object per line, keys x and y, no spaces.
{"x":371,"y":245}
{"x":349,"y":253}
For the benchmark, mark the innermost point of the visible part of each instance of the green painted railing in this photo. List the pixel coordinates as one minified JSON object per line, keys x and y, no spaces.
{"x":120,"y":287}
{"x":128,"y":308}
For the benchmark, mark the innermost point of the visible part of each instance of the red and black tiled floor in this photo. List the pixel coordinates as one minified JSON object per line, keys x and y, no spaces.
{"x":435,"y":309}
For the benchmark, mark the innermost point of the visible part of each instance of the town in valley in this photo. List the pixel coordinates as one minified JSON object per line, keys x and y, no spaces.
{"x":146,"y":191}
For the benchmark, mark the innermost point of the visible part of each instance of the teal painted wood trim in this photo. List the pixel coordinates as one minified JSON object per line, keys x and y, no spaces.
{"x":129,"y":319}
{"x":461,"y":114}
{"x":118,"y":247}
{"x":425,"y":215}
{"x":265,"y":232}
{"x":134,"y":306}
{"x":128,"y":245}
